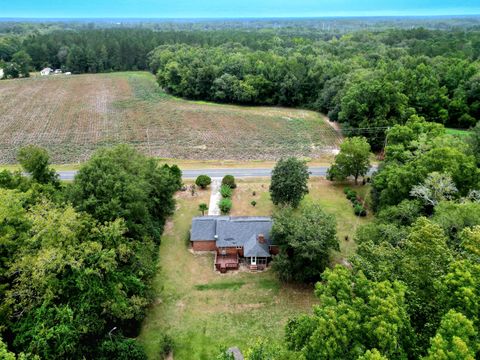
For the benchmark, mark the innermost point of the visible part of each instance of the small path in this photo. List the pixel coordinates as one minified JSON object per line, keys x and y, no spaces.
{"x":215,"y":197}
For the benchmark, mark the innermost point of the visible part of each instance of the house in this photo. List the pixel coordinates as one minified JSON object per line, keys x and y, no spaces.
{"x":1,"y":73}
{"x":68,"y":73}
{"x":234,"y":240}
{"x":57,"y":71}
{"x":46,"y":71}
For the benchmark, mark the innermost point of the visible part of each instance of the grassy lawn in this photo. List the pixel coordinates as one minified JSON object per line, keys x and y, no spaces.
{"x":203,"y":310}
{"x":457,"y":132}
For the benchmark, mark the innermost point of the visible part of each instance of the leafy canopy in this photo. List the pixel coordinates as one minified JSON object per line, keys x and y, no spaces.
{"x":353,"y":160}
{"x":289,"y":182}
{"x":306,"y":239}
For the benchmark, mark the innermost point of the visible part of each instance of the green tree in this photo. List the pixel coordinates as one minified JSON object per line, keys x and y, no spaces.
{"x":202,"y":208}
{"x":372,"y":355}
{"x":23,"y":59}
{"x":35,"y":160}
{"x":203,"y":181}
{"x":306,"y":240}
{"x":436,"y":187}
{"x":4,"y":353}
{"x":353,"y":160}
{"x":289,"y":182}
{"x":354,"y":315}
{"x":120,"y":182}
{"x":455,"y":339}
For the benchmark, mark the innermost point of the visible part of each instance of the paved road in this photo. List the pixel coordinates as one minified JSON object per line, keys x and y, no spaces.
{"x":218,"y":173}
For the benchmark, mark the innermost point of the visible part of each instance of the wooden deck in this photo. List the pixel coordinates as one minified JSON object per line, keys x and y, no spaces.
{"x":226,"y":262}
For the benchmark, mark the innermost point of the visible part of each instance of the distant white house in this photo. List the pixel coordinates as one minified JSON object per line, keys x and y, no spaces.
{"x":1,"y":73}
{"x":46,"y":71}
{"x":68,"y":73}
{"x":57,"y":71}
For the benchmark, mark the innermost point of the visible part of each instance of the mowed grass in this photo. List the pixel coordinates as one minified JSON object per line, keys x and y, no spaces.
{"x":74,"y":115}
{"x":203,"y":310}
{"x":458,"y":132}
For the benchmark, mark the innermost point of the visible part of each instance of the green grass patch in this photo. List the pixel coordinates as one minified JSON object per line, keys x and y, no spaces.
{"x":270,"y":284}
{"x":228,"y":285}
{"x":458,"y":132}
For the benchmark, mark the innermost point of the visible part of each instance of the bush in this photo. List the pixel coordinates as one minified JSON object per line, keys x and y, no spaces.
{"x":352,"y":195}
{"x":253,"y":203}
{"x":225,"y":205}
{"x":226,"y":191}
{"x":229,"y":180}
{"x":121,"y":349}
{"x":359,"y":210}
{"x":166,"y":346}
{"x":203,"y":181}
{"x":346,"y":190}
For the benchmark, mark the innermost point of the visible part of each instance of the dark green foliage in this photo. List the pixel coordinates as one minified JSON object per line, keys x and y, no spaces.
{"x":355,"y":315}
{"x":203,"y":181}
{"x":253,"y":203}
{"x":74,"y":283}
{"x":225,"y":205}
{"x":417,"y":150}
{"x":305,"y":239}
{"x":229,"y":180}
{"x":359,"y":210}
{"x":475,"y":141}
{"x":122,"y":183}
{"x":289,"y":182}
{"x":121,"y":349}
{"x":226,"y":191}
{"x":358,"y":207}
{"x":203,"y":207}
{"x":353,"y":160}
{"x":35,"y":160}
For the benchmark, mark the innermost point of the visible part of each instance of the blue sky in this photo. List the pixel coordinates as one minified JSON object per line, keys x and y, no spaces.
{"x":231,"y":8}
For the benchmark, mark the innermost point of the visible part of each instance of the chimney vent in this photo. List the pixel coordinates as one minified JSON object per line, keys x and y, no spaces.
{"x":261,"y":238}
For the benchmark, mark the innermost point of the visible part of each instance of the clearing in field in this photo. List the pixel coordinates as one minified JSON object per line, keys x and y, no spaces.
{"x":203,"y":310}
{"x":72,"y":116}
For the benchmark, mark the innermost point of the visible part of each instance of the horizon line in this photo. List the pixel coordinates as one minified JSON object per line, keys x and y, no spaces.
{"x":239,"y":17}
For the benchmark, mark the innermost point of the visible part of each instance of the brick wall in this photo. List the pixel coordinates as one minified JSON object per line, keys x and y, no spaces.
{"x":274,"y":250}
{"x":204,"y":245}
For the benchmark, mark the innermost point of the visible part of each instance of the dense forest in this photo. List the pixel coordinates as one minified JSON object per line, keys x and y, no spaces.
{"x":364,"y":79}
{"x":76,"y":260}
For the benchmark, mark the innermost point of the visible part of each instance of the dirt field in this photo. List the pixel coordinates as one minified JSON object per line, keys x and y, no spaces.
{"x":74,"y":115}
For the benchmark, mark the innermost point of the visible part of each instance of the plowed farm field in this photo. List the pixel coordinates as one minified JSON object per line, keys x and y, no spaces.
{"x":72,"y":116}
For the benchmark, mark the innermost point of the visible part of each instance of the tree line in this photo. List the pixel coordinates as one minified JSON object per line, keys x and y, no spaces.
{"x":76,"y":260}
{"x":364,"y":79}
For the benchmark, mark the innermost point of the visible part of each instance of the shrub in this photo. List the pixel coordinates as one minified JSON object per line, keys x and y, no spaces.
{"x":202,"y":208}
{"x":346,"y":190}
{"x":203,"y":181}
{"x":229,"y":180}
{"x":225,"y":205}
{"x":352,"y":195}
{"x":359,"y":210}
{"x":226,"y":191}
{"x":253,"y":203}
{"x":166,"y":346}
{"x":122,"y":349}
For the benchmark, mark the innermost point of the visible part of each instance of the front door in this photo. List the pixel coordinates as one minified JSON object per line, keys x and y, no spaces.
{"x":254,"y":261}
